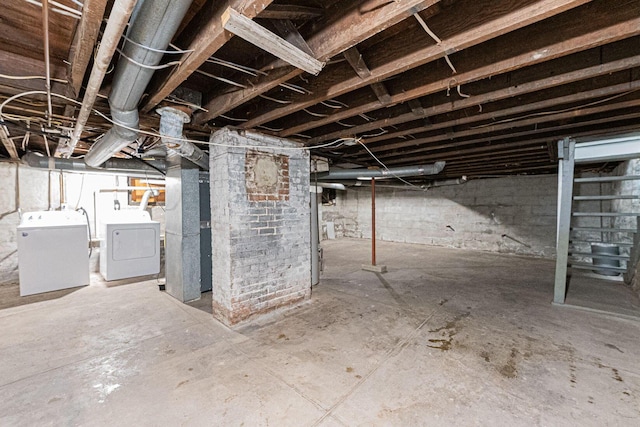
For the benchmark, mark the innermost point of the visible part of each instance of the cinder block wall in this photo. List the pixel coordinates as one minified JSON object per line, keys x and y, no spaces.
{"x":260,"y":225}
{"x":510,"y":215}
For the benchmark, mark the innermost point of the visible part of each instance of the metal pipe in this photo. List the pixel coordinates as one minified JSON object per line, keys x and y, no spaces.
{"x":171,"y":123}
{"x":116,"y":24}
{"x":113,"y":165}
{"x":373,"y":221}
{"x":152,"y":27}
{"x":331,"y":185}
{"x":315,"y":240}
{"x":47,"y":62}
{"x":399,"y":172}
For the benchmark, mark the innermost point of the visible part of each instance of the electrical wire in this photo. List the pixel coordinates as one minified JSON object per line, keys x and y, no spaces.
{"x":157,"y":135}
{"x":436,"y":39}
{"x":547,"y":113}
{"x":222,"y":79}
{"x":6,"y":76}
{"x":359,"y":141}
{"x":88,"y":227}
{"x":151,"y":49}
{"x":149,"y":67}
{"x":306,"y":110}
{"x":242,"y":68}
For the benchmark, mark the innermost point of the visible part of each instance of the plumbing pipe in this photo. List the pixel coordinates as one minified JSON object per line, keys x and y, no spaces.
{"x":331,"y":185}
{"x":145,"y":198}
{"x":171,"y":123}
{"x":113,"y":165}
{"x":152,"y":27}
{"x":446,"y":182}
{"x":47,"y":62}
{"x":315,"y":241}
{"x":116,"y":24}
{"x":399,"y":172}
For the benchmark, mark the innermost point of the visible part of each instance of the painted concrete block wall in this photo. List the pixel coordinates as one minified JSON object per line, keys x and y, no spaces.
{"x":510,"y":215}
{"x":28,"y":190}
{"x":260,"y":225}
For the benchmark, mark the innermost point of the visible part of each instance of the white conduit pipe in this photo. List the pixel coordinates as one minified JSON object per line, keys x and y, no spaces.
{"x":116,"y":25}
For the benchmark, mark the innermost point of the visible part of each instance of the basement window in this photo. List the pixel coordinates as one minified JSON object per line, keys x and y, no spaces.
{"x":135,"y":196}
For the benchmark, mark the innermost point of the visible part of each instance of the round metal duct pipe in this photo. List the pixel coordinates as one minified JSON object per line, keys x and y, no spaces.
{"x":153,"y":24}
{"x":399,"y":172}
{"x":113,"y":165}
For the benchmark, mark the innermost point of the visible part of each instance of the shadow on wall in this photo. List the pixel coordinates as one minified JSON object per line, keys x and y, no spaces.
{"x":509,"y":215}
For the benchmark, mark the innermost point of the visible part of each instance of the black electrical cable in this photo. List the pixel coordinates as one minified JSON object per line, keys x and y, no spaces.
{"x":150,"y":165}
{"x":89,"y":228}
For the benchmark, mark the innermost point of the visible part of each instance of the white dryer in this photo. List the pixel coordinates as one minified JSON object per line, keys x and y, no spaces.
{"x":129,"y":245}
{"x":53,"y":251}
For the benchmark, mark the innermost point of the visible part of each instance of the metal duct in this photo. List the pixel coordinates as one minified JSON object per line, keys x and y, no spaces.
{"x":330,"y":185}
{"x":446,"y":182}
{"x":153,"y":24}
{"x":113,"y":165}
{"x":399,"y":172}
{"x":171,"y":123}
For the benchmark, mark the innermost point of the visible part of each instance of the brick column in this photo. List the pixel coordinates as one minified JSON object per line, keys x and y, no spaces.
{"x":260,"y":224}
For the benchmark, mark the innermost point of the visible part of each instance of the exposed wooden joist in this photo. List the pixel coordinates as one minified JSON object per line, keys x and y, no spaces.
{"x":257,"y":35}
{"x":290,"y":11}
{"x":489,"y":149}
{"x":289,"y":32}
{"x":211,"y":38}
{"x":354,"y":58}
{"x":560,"y":130}
{"x":347,"y":30}
{"x":519,"y":109}
{"x":416,"y":108}
{"x":582,"y":36}
{"x":84,"y":42}
{"x":518,"y":18}
{"x":492,"y":96}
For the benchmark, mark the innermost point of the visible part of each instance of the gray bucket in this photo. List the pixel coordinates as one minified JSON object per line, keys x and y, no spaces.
{"x":605,"y":249}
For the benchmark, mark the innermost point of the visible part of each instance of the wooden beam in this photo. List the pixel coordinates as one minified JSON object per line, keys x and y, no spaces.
{"x":289,"y":32}
{"x":389,"y":159}
{"x":489,"y":149}
{"x":211,"y":38}
{"x":586,"y":37}
{"x":519,"y":109}
{"x":8,"y":144}
{"x":354,"y":58}
{"x":491,"y":96}
{"x":416,"y":108}
{"x":257,"y":35}
{"x":290,"y":11}
{"x":381,"y":92}
{"x":518,"y":17}
{"x":84,"y":41}
{"x":346,"y":30}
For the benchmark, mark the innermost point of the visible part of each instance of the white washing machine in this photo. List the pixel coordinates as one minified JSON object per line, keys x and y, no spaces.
{"x":53,"y":251}
{"x":130,"y":245}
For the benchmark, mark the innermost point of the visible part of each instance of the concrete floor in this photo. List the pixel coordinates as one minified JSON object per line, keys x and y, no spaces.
{"x":446,"y":337}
